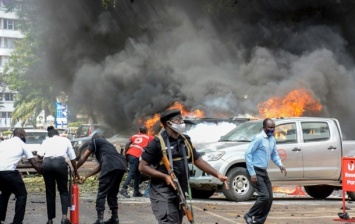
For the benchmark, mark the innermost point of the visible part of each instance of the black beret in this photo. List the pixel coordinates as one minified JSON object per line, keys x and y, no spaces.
{"x":168,"y":114}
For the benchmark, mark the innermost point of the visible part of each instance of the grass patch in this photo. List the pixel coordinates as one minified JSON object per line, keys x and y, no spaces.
{"x":35,"y":184}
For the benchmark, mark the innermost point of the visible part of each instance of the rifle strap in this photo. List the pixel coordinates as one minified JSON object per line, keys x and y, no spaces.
{"x":163,"y":149}
{"x":168,"y":149}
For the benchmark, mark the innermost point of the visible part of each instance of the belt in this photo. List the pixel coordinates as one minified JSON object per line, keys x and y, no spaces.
{"x":56,"y":157}
{"x":259,"y":169}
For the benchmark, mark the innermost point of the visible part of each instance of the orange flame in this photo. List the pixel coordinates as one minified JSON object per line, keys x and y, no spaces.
{"x":296,"y":103}
{"x":186,"y":113}
{"x":153,"y":121}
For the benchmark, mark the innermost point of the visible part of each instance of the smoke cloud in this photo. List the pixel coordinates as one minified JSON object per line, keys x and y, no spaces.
{"x":133,"y":60}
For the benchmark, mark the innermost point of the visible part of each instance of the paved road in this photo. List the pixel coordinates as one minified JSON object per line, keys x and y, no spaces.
{"x":217,"y":210}
{"x":286,"y":209}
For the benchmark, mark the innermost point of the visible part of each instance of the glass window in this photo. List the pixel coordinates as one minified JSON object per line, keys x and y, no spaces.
{"x":315,"y":131}
{"x":286,"y":133}
{"x":243,"y":133}
{"x":9,"y":42}
{"x":9,"y":24}
{"x":4,"y":60}
{"x":9,"y":97}
{"x":35,"y":137}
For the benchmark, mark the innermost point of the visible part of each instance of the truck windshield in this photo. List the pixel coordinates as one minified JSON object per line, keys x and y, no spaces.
{"x":243,"y":133}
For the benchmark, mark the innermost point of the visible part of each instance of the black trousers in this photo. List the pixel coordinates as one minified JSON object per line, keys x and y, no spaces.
{"x":108,"y":188}
{"x":262,"y":206}
{"x":11,"y":182}
{"x":55,"y":171}
{"x":167,"y":211}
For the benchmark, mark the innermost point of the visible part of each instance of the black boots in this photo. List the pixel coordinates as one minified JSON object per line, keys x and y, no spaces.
{"x":114,"y":218}
{"x":100,"y":217}
{"x":137,"y":194}
{"x":65,"y":221}
{"x":124,"y":193}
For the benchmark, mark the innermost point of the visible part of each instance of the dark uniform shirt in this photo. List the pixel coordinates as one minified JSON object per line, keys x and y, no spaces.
{"x":107,"y":155}
{"x":153,"y":154}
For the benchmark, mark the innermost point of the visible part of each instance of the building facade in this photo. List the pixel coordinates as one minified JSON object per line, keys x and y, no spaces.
{"x":9,"y":34}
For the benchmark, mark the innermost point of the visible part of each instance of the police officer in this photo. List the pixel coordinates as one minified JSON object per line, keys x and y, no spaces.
{"x":11,"y":151}
{"x":55,"y":170}
{"x":112,"y":166}
{"x":164,"y":199}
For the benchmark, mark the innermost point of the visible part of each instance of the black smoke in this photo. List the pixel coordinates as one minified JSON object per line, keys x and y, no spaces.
{"x":128,"y":60}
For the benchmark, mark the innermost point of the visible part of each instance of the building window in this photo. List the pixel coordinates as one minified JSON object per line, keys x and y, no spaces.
{"x":9,"y":42}
{"x":3,"y":114}
{"x":11,"y":24}
{"x":9,"y":96}
{"x":4,"y":60}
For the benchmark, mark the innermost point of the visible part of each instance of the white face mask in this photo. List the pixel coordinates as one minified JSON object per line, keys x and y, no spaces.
{"x":179,"y":128}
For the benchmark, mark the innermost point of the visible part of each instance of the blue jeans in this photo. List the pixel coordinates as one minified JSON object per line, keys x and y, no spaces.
{"x":133,"y":172}
{"x":147,"y":191}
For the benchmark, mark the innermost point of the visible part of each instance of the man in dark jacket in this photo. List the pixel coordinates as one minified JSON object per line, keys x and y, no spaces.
{"x":164,"y":198}
{"x":112,"y":166}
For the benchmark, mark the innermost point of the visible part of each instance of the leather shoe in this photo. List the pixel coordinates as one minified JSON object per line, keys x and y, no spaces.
{"x":248,"y":218}
{"x":137,"y":194}
{"x":65,"y":221}
{"x":124,"y":193}
{"x":343,"y":215}
{"x":50,"y":222}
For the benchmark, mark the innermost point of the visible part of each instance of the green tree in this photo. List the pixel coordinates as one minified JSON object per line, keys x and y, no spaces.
{"x":32,"y":94}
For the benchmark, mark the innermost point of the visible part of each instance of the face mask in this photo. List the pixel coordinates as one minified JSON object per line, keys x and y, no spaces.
{"x":270,"y":132}
{"x":179,"y":128}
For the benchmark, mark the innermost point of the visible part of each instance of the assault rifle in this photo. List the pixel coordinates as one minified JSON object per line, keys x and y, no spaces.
{"x":183,"y":203}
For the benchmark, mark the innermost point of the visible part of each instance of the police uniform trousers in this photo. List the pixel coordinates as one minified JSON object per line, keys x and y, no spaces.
{"x":55,"y":171}
{"x":109,"y":185}
{"x":11,"y":182}
{"x":262,"y":205}
{"x":165,"y":206}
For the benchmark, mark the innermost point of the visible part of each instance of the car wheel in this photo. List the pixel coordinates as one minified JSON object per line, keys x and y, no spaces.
{"x":240,"y":188}
{"x":319,"y":191}
{"x":202,"y":194}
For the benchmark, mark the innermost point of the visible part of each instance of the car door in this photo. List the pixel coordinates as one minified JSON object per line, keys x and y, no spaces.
{"x":321,"y":149}
{"x":287,"y":137}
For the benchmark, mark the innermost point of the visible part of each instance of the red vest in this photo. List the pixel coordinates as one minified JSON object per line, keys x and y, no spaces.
{"x":138,"y":142}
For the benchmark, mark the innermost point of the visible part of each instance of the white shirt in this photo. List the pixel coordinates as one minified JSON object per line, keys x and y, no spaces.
{"x":57,"y":146}
{"x":11,"y":151}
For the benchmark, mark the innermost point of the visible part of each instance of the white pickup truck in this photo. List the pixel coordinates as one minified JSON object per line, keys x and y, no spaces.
{"x":310,"y":148}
